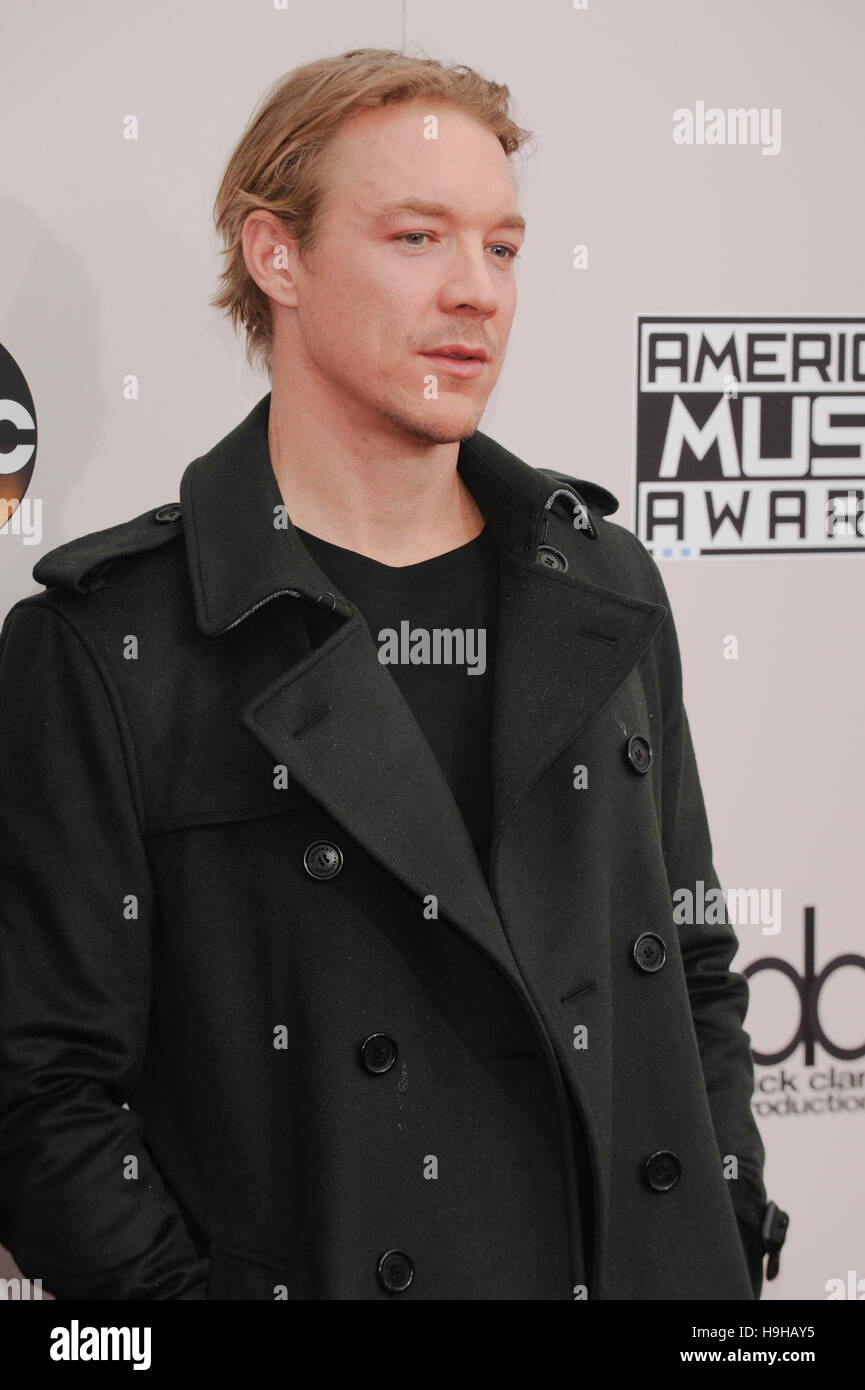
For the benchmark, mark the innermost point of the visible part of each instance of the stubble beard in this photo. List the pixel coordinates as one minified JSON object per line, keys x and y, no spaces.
{"x":423,"y":429}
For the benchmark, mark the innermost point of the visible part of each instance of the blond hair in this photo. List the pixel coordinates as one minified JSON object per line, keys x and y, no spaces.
{"x":276,"y":164}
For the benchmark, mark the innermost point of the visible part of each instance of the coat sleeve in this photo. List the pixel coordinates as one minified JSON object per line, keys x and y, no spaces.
{"x":718,"y":996}
{"x":81,"y":1204}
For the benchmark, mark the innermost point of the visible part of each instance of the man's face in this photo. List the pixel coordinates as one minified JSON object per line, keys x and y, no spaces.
{"x":384,"y":287}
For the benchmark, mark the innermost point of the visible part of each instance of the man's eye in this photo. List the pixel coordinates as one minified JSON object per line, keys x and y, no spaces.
{"x":512,"y":254}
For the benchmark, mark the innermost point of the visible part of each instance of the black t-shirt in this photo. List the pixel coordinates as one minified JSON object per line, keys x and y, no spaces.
{"x":434,"y":625}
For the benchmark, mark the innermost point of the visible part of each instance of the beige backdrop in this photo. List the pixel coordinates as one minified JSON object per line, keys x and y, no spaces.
{"x":109,"y":258}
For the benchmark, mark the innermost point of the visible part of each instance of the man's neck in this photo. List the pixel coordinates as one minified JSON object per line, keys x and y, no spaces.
{"x":398,"y":499}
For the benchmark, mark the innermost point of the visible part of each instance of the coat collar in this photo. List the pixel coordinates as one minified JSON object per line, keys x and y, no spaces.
{"x":238,"y":559}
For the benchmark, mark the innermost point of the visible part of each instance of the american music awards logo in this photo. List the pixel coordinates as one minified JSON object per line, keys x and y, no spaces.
{"x":750,"y":435}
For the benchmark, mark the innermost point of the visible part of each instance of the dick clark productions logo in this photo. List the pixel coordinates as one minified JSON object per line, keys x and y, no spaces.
{"x":808,"y":985}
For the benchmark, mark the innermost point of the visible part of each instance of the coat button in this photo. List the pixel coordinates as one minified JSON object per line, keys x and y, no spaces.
{"x":172,"y":512}
{"x":395,"y":1270}
{"x":378,"y":1052}
{"x":322,"y":859}
{"x":551,"y":558}
{"x":639,"y":753}
{"x":662,"y":1170}
{"x":649,"y":952}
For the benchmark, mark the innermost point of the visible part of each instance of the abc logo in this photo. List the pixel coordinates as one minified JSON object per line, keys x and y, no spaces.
{"x":17,"y":435}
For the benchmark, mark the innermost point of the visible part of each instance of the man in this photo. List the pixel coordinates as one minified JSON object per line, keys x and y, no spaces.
{"x":344,"y":802}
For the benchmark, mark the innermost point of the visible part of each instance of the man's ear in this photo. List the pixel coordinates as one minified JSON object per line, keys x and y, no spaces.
{"x":271,"y":257}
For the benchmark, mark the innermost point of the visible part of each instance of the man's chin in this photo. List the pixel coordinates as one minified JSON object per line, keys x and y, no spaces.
{"x":447,"y":427}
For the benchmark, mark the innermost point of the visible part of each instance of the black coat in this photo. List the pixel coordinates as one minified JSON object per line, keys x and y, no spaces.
{"x":265,"y":1030}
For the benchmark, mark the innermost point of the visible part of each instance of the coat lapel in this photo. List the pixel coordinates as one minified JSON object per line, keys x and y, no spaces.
{"x":343,"y":729}
{"x":564,"y":646}
{"x":336,"y":717}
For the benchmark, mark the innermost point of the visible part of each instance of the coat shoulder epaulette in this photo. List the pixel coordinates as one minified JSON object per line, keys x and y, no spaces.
{"x":81,"y":564}
{"x":596,"y":498}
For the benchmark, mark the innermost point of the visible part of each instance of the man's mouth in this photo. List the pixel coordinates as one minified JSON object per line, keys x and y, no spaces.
{"x":461,"y":352}
{"x":458,"y":360}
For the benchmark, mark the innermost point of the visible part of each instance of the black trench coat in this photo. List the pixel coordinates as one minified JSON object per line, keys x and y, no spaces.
{"x":266,"y":1032}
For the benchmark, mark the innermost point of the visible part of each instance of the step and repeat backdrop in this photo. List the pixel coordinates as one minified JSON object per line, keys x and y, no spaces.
{"x":690,"y":334}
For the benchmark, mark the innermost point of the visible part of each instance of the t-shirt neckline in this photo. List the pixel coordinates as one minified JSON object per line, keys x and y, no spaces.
{"x":468,"y":558}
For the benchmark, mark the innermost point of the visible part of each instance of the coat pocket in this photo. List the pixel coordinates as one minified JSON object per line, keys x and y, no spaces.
{"x":244,"y":1274}
{"x":223,"y":792}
